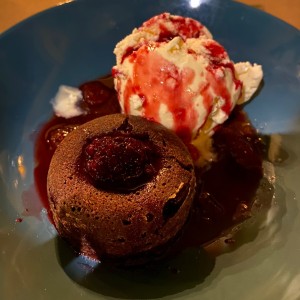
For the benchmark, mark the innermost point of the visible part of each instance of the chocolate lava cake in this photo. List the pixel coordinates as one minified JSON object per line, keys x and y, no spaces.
{"x":120,"y":187}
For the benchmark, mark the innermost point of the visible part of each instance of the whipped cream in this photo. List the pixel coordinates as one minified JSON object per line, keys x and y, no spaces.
{"x":66,"y":102}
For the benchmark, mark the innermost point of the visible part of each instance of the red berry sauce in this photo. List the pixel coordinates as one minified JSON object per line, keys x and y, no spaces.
{"x":178,"y":26}
{"x":119,"y":161}
{"x":99,"y":100}
{"x":156,"y":86}
{"x":225,"y":190}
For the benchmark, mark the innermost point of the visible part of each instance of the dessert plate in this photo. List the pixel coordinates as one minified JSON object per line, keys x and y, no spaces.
{"x":73,"y":43}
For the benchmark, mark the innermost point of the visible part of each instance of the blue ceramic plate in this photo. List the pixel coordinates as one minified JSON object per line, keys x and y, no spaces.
{"x":73,"y":43}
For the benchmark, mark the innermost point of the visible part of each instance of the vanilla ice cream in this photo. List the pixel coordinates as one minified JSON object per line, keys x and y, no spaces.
{"x":170,"y":70}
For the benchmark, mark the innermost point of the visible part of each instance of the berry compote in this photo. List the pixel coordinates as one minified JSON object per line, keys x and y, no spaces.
{"x":225,"y":188}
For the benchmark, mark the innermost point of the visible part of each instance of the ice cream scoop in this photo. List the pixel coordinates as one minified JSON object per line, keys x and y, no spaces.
{"x":171,"y":71}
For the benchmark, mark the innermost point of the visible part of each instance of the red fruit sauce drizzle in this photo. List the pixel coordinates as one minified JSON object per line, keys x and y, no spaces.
{"x":179,"y":26}
{"x":119,"y":161}
{"x":183,"y":27}
{"x":225,"y":189}
{"x":164,"y":84}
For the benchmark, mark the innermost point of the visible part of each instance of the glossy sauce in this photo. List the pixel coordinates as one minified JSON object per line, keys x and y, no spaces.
{"x":225,"y":189}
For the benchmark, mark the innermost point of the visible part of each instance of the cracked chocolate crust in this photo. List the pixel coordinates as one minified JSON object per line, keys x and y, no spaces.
{"x":102,"y":221}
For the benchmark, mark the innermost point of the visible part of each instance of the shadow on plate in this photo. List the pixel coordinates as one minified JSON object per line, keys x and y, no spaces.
{"x":159,"y":279}
{"x":196,"y":268}
{"x":188,"y":270}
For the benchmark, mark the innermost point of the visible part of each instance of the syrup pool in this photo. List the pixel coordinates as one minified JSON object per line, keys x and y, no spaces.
{"x":225,"y":189}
